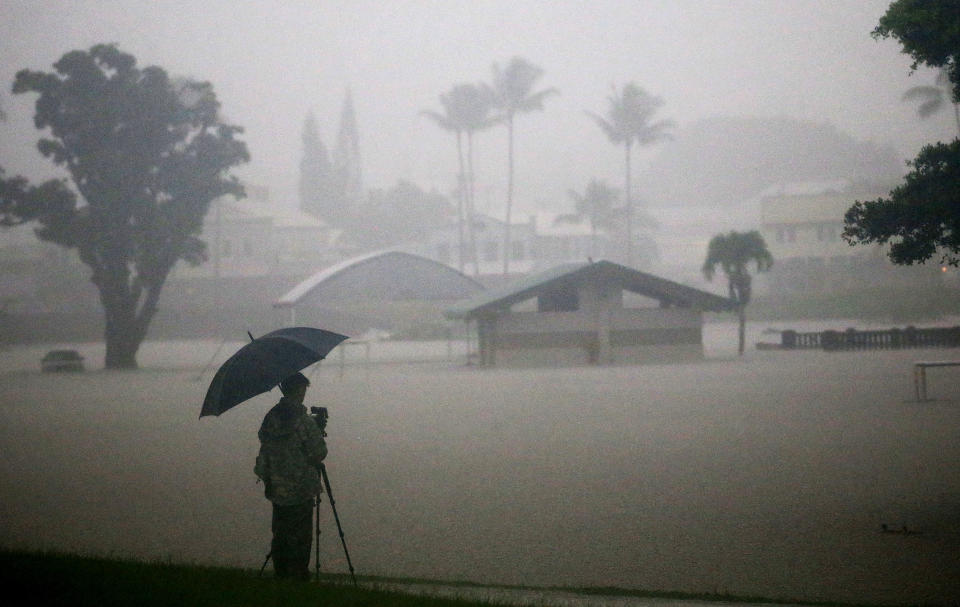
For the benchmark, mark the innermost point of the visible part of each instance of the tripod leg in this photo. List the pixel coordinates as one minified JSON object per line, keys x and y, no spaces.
{"x":265,"y":561}
{"x":316,"y":539}
{"x":336,"y":517}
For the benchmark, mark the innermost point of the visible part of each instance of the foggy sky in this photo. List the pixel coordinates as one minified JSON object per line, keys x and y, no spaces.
{"x":271,"y":62}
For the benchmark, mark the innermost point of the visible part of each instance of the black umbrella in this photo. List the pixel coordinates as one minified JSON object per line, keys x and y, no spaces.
{"x":264,"y":362}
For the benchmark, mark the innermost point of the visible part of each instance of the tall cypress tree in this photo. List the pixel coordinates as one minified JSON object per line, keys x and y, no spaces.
{"x":347,"y":164}
{"x":316,"y":173}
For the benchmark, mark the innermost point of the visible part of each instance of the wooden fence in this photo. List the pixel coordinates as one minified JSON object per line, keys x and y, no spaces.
{"x":889,"y":339}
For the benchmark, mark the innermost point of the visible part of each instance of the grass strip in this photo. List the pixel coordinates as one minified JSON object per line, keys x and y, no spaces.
{"x":49,"y":578}
{"x":58,"y":579}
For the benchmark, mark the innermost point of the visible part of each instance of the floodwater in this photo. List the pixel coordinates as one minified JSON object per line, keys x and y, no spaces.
{"x":770,"y":475}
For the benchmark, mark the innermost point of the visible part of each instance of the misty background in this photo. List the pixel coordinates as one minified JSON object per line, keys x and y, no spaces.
{"x":810,"y":63}
{"x":768,"y":474}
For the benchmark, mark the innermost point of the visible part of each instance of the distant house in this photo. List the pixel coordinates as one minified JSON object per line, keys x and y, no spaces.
{"x":589,"y":313}
{"x":256,"y":237}
{"x":541,"y":242}
{"x":256,"y":248}
{"x":802,"y":224}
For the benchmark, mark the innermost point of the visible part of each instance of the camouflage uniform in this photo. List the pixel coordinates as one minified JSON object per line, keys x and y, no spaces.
{"x":291,"y":451}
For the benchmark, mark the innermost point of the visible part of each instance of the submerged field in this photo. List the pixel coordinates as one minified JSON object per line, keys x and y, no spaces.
{"x":770,"y":475}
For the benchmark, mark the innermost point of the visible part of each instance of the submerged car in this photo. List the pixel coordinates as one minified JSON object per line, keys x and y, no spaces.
{"x":62,"y":360}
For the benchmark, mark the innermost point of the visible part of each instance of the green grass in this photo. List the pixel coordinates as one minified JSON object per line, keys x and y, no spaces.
{"x":35,"y":578}
{"x":57,"y":579}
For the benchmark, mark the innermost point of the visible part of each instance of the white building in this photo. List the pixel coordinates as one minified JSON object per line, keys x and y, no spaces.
{"x":542,"y":241}
{"x":255,"y":237}
{"x":802,"y":224}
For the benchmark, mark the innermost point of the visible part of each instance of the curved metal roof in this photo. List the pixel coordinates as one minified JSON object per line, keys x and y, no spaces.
{"x":382,"y":276}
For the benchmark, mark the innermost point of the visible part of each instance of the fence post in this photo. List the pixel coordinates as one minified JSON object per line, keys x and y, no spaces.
{"x":910,"y":336}
{"x":850,"y":338}
{"x":895,"y":338}
{"x":788,"y":339}
{"x":830,"y":340}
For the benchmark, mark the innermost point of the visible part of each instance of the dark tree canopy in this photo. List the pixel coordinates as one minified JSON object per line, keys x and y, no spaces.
{"x":921,"y":217}
{"x":929,"y":31}
{"x":734,"y":252}
{"x":49,"y":204}
{"x":147,"y":154}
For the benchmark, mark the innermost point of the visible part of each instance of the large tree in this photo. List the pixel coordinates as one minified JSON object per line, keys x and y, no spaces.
{"x":629,"y":120}
{"x":466,"y":109}
{"x":921,"y":217}
{"x":733,"y":252}
{"x":348,"y":181}
{"x":147,"y":154}
{"x":317,"y":194}
{"x":513,"y":94}
{"x":929,"y":32}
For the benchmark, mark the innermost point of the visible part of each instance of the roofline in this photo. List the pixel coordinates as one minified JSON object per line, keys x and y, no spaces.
{"x":667,"y":289}
{"x":305,"y":287}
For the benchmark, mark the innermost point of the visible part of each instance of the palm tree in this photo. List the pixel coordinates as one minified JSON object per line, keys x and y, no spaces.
{"x":733,"y":252}
{"x":934,"y":98}
{"x":597,"y":204}
{"x":477,"y":103}
{"x":466,"y":109}
{"x":628,"y":121}
{"x":513,"y":94}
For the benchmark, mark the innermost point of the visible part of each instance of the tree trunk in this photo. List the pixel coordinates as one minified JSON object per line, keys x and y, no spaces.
{"x":628,"y":203}
{"x":956,"y":116}
{"x":126,"y":316}
{"x":462,"y":185}
{"x":471,"y":209}
{"x":506,"y":230}
{"x":593,"y":240}
{"x":742,"y":317}
{"x":120,"y":334}
{"x":122,"y":345}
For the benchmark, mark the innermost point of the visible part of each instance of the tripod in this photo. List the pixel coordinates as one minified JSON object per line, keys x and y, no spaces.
{"x":336,"y":517}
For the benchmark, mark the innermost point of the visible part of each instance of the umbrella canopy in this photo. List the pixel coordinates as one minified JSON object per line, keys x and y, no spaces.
{"x":264,"y":362}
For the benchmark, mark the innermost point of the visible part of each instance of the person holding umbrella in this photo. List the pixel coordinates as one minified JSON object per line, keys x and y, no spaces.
{"x":292,"y":449}
{"x":289,"y":463}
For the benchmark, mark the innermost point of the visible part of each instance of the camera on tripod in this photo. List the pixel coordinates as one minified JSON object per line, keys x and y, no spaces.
{"x":320,"y":415}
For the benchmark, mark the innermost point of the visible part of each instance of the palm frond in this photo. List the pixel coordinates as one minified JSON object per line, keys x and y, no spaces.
{"x":534,"y":102}
{"x":923,"y":92}
{"x":613,"y":133}
{"x":568,"y":218}
{"x":443,"y":121}
{"x":930,"y":107}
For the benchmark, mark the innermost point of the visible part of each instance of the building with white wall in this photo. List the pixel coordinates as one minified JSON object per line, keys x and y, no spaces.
{"x":589,"y":313}
{"x":542,"y":241}
{"x":802,"y":225}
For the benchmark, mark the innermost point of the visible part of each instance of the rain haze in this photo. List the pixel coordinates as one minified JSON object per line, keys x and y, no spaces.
{"x":615,"y":425}
{"x":271,"y":63}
